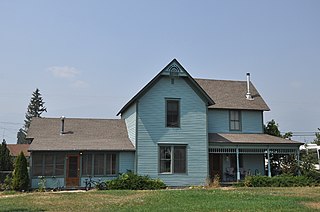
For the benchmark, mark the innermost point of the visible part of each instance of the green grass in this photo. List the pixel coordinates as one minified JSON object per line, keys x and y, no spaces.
{"x":229,"y":199}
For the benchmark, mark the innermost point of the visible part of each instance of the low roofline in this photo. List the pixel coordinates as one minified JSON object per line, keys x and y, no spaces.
{"x":153,"y":81}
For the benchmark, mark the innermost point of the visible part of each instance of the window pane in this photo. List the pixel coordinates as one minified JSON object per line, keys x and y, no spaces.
{"x":48,"y":165}
{"x":111,"y":168}
{"x":179,"y":159}
{"x":99,"y":164}
{"x":59,"y":170}
{"x":173,"y":113}
{"x":235,"y":122}
{"x":37,"y":164}
{"x":87,"y":164}
{"x":165,"y":159}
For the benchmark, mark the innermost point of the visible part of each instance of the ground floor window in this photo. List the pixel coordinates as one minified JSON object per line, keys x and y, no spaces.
{"x":173,"y":159}
{"x":99,"y":164}
{"x":48,"y":164}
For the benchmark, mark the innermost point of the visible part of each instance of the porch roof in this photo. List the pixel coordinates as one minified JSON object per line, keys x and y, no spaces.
{"x":246,"y":138}
{"x":79,"y":134}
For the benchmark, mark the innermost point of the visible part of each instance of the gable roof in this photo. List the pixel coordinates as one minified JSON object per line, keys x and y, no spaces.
{"x":174,"y":62}
{"x":229,"y":94}
{"x":80,"y":134}
{"x":15,"y":149}
{"x":237,"y":138}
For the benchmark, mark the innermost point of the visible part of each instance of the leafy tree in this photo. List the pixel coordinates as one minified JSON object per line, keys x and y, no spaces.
{"x":5,"y":158}
{"x":272,"y":128}
{"x":35,"y":109}
{"x":20,"y":181}
{"x":317,"y":139}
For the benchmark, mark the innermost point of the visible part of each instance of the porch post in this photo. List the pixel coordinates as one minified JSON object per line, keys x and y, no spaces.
{"x":269,"y":166}
{"x":238,"y":167}
{"x":298,"y":161}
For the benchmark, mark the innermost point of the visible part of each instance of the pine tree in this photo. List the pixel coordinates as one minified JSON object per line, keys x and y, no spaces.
{"x":5,"y":158}
{"x":20,"y":181}
{"x":35,"y":109}
{"x":317,"y":139}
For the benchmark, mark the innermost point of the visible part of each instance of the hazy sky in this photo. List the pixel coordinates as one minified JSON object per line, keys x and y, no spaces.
{"x":88,"y":58}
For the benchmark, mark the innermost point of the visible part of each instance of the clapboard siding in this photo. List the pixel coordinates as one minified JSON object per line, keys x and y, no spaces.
{"x":130,"y":118}
{"x":251,"y":121}
{"x":192,"y":131}
{"x":126,"y":161}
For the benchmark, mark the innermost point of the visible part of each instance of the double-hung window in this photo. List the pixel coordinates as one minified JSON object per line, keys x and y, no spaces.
{"x":173,"y":113}
{"x":173,"y":159}
{"x":235,"y":120}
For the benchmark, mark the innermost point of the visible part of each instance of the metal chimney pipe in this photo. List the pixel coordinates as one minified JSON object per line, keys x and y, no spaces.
{"x":62,"y":124}
{"x":248,"y":95}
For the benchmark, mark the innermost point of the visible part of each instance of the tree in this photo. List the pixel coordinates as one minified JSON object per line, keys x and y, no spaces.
{"x":280,"y":163}
{"x":317,"y":139}
{"x":5,"y":158}
{"x":35,"y":109}
{"x":20,"y":181}
{"x":272,"y":128}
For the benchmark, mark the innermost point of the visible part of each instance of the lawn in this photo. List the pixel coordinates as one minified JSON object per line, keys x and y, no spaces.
{"x":220,"y":199}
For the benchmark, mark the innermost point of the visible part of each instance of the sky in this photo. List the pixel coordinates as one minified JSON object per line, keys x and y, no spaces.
{"x":88,"y":58}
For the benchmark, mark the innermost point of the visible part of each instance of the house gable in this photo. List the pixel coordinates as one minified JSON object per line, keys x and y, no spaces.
{"x":175,"y":70}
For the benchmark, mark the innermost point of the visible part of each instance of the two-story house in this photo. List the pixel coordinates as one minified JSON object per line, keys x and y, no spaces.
{"x":177,"y":128}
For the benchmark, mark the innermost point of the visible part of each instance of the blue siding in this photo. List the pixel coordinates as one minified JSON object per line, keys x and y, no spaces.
{"x":126,"y":161}
{"x":152,"y":131}
{"x":252,"y":121}
{"x":218,"y":121}
{"x":130,"y":118}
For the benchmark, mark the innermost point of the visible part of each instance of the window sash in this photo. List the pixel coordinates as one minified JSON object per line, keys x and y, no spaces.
{"x":235,"y":120}
{"x":99,"y":164}
{"x":173,"y":159}
{"x":111,"y":164}
{"x":173,"y":113}
{"x":87,"y":164}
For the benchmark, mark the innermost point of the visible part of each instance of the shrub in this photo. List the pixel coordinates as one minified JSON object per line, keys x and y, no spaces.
{"x":131,"y":181}
{"x":20,"y":181}
{"x":279,"y":181}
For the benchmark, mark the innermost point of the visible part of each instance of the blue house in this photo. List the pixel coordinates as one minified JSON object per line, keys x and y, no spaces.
{"x":177,"y":128}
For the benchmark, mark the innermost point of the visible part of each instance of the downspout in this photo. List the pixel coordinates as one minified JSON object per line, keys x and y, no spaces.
{"x":137,"y":124}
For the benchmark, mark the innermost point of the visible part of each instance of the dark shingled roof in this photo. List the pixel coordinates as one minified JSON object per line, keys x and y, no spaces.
{"x":15,"y":149}
{"x":248,"y":139}
{"x":229,"y":94}
{"x":80,"y":134}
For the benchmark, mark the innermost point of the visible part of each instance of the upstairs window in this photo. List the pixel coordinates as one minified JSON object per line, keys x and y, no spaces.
{"x":173,"y":113}
{"x":235,"y":120}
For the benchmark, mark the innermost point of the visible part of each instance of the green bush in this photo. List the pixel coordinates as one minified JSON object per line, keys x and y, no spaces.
{"x":20,"y":181}
{"x":131,"y":181}
{"x":279,"y":181}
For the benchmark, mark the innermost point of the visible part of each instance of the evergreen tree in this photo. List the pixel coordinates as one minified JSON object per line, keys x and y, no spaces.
{"x":35,"y":109}
{"x":5,"y":158}
{"x":20,"y":181}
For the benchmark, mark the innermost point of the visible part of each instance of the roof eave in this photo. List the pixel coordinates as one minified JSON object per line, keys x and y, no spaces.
{"x":153,"y":81}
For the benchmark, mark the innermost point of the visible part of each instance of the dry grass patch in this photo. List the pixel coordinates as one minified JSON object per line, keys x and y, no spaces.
{"x":312,"y":205}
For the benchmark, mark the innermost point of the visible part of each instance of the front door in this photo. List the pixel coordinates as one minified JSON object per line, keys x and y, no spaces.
{"x":72,"y":179}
